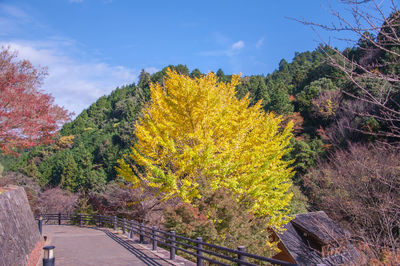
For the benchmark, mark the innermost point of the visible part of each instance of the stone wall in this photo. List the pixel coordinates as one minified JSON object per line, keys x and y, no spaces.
{"x":19,"y":233}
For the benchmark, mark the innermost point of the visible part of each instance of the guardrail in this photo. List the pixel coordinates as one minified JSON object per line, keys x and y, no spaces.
{"x":195,"y":247}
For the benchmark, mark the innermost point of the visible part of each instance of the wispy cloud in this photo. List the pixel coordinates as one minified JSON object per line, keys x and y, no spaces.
{"x":260,"y":43}
{"x":232,"y":50}
{"x":221,"y":39}
{"x":13,"y":11}
{"x":75,"y":79}
{"x":75,"y":1}
{"x":237,"y":46}
{"x":12,"y":18}
{"x":74,"y":84}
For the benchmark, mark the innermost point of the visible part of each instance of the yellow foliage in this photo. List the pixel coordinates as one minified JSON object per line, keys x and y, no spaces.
{"x":66,"y":141}
{"x":195,"y":134}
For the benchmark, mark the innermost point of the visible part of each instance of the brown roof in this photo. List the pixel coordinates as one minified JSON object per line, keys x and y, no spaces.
{"x":298,"y":245}
{"x":320,"y":226}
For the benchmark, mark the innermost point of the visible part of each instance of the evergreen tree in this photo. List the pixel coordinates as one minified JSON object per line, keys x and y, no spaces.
{"x":69,"y":173}
{"x":196,"y":73}
{"x":280,"y":100}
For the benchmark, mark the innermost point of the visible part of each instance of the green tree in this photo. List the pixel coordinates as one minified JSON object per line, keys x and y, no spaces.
{"x":144,"y":79}
{"x":196,"y":73}
{"x":280,"y":100}
{"x":305,"y":154}
{"x":256,"y":87}
{"x":69,"y":172}
{"x":313,"y":91}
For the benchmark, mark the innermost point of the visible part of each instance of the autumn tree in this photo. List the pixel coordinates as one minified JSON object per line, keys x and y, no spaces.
{"x":371,"y":66}
{"x":219,"y":220}
{"x":360,"y":188}
{"x":121,"y":200}
{"x":195,"y":136}
{"x":56,"y":200}
{"x":28,"y":117}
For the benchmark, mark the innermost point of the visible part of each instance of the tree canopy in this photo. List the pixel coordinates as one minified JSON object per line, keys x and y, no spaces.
{"x":196,"y":135}
{"x":28,"y":117}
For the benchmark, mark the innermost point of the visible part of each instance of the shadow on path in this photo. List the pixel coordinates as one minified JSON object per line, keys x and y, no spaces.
{"x":100,"y":247}
{"x":145,"y":258}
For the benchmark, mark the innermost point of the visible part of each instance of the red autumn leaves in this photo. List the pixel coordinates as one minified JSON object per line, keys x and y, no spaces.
{"x":28,"y":117}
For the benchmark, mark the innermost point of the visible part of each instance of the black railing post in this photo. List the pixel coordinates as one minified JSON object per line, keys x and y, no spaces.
{"x":80,"y":220}
{"x":199,"y":252}
{"x":100,"y":221}
{"x":123,"y":226}
{"x":172,"y":250}
{"x":154,"y":233}
{"x":59,"y":218}
{"x":115,"y":223}
{"x":141,"y":236}
{"x":131,"y":229}
{"x":48,"y":256}
{"x":240,"y":256}
{"x":40,"y":224}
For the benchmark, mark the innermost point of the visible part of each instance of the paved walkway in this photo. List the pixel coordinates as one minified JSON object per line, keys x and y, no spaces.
{"x":91,"y":246}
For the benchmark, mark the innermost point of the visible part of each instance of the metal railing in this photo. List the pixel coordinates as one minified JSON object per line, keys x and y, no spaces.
{"x":194,"y":247}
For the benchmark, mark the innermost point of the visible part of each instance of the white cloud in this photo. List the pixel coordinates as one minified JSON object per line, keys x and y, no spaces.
{"x":230,"y":52}
{"x":260,"y":43}
{"x":75,"y":78}
{"x":74,"y":84}
{"x":237,"y":46}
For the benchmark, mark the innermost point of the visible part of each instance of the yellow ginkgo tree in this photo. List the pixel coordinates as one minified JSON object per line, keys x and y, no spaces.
{"x":195,"y":135}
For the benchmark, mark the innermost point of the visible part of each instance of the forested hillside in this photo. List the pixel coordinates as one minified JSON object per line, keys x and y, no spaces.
{"x":343,"y":152}
{"x":85,"y":154}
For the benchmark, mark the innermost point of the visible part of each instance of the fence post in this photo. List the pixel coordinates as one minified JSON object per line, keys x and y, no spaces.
{"x":115,"y":223}
{"x":131,"y":229}
{"x":199,"y":252}
{"x":40,"y":224}
{"x":241,"y":257}
{"x":154,"y":233}
{"x":141,"y":237}
{"x":80,"y":220}
{"x":59,"y":218}
{"x":123,"y":226}
{"x":172,"y":250}
{"x":100,"y":221}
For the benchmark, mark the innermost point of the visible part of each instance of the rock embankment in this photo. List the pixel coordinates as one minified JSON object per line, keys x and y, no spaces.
{"x":19,"y":233}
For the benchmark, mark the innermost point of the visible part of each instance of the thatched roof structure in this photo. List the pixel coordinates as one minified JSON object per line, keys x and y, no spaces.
{"x":315,"y":239}
{"x":320,"y":227}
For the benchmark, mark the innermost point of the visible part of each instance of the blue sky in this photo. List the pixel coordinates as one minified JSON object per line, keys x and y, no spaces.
{"x":92,"y":46}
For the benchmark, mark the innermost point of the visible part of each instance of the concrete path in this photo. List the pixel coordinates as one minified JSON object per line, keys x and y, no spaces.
{"x":91,"y":246}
